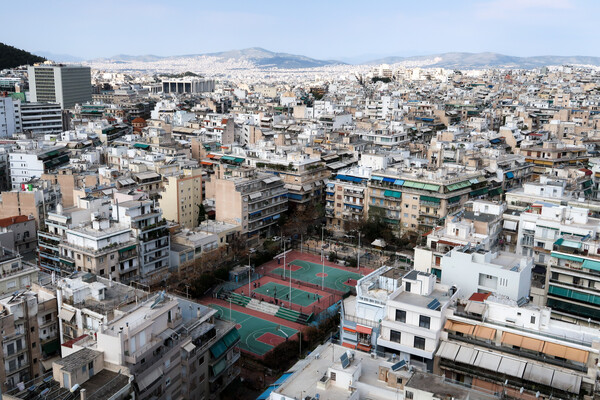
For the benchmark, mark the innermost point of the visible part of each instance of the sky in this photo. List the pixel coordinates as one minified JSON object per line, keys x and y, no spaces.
{"x":325,"y":29}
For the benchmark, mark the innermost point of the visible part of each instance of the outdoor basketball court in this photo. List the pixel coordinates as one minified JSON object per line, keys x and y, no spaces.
{"x":281,"y":292}
{"x":312,"y":273}
{"x":257,"y":335}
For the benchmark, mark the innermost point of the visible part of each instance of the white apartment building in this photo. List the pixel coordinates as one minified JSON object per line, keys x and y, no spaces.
{"x":478,"y":271}
{"x":26,"y":165}
{"x":360,"y":314}
{"x":10,"y":117}
{"x":414,"y":317}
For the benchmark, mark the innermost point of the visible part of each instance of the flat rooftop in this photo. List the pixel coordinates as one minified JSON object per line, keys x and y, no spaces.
{"x":304,"y":380}
{"x":443,"y":389}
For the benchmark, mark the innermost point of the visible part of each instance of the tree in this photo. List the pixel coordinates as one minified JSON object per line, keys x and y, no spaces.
{"x":201,"y":213}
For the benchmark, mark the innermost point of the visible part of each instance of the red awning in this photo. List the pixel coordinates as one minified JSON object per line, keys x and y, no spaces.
{"x":480,"y":297}
{"x":211,"y":156}
{"x":364,"y":329}
{"x":349,"y":345}
{"x":363,"y":347}
{"x":349,"y":329}
{"x":206,"y":163}
{"x":449,"y":243}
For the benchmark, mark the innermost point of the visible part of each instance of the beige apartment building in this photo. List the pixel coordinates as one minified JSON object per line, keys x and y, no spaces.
{"x":20,"y":350}
{"x":253,"y":200}
{"x":182,"y":196}
{"x":174,"y":348}
{"x":417,"y":200}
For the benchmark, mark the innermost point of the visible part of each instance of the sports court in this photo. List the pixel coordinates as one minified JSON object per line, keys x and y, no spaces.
{"x":300,"y":297}
{"x":333,"y":278}
{"x":257,"y":335}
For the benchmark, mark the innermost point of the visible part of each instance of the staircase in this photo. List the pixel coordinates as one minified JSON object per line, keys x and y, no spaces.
{"x":263,"y":306}
{"x":239,"y":299}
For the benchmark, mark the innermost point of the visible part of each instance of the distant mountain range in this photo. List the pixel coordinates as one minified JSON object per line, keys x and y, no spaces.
{"x":486,"y":60}
{"x":260,"y":57}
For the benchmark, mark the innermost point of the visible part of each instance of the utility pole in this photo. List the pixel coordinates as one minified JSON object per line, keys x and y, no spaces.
{"x":358,"y":252}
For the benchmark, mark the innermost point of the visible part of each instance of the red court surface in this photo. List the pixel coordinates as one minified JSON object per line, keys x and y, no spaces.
{"x":297,"y":255}
{"x":351,"y":282}
{"x":271,"y":339}
{"x":327,"y":299}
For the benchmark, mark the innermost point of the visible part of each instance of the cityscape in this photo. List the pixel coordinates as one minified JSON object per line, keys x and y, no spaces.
{"x":280,"y":206}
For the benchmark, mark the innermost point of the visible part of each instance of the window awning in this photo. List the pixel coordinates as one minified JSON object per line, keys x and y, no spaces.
{"x":399,"y":182}
{"x":219,"y":367}
{"x":488,"y":361}
{"x":149,"y":379}
{"x":124,"y":249}
{"x":510,"y":175}
{"x":511,"y":366}
{"x":448,"y":350}
{"x":377,"y":178}
{"x":568,"y":382}
{"x":141,"y":146}
{"x":66,"y":315}
{"x":364,"y":329}
{"x":349,"y":329}
{"x":189,"y":347}
{"x":566,"y":257}
{"x":389,"y":180}
{"x":539,"y":374}
{"x":392,"y":193}
{"x":433,"y":188}
{"x":484,"y":332}
{"x":461,"y":327}
{"x":454,"y":199}
{"x":466,"y":355}
{"x":510,"y":225}
{"x":231,"y":337}
{"x":430,"y":199}
{"x":593,"y":265}
{"x":218,"y":349}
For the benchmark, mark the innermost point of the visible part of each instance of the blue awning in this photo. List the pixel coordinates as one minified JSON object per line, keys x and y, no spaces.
{"x":399,"y":182}
{"x":510,"y":175}
{"x":276,"y":216}
{"x":354,"y":206}
{"x":389,"y":180}
{"x":255,"y":213}
{"x":267,"y":393}
{"x":294,"y":196}
{"x":282,"y":379}
{"x":376,"y":178}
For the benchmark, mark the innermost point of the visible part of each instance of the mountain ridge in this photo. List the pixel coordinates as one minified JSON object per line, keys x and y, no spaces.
{"x":468,"y":60}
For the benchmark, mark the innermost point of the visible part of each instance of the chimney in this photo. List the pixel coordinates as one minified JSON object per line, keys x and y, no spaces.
{"x":83,"y":394}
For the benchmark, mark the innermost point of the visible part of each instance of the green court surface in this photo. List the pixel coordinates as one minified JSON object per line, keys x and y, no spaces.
{"x":335,"y":278}
{"x":299,"y":296}
{"x":251,"y":328}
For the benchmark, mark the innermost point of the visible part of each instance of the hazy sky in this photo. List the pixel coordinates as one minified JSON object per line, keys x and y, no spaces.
{"x":320,"y":29}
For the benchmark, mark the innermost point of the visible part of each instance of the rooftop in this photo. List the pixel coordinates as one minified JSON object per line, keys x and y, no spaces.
{"x":443,"y":389}
{"x":75,"y":360}
{"x":307,"y":374}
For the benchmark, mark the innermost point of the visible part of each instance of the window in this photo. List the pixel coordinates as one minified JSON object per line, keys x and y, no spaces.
{"x":332,"y":376}
{"x":400,"y":315}
{"x":407,"y":286}
{"x":409,"y":395}
{"x":201,"y":360}
{"x":419,"y":343}
{"x":532,"y":319}
{"x":424,"y":321}
{"x":395,"y":336}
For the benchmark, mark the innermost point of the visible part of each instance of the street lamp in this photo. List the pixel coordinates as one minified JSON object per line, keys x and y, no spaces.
{"x":250,"y":251}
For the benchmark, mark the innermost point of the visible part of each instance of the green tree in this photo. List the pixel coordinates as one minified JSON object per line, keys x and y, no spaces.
{"x":201,"y":213}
